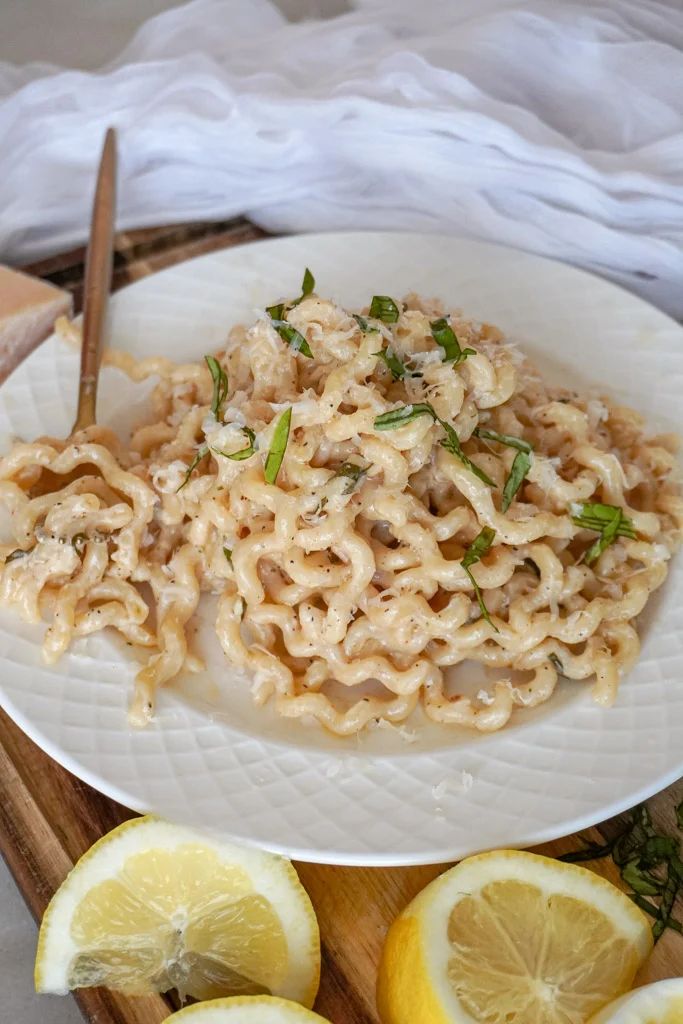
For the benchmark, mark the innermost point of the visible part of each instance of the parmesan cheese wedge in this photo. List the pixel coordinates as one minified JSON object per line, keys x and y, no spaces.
{"x":28,"y":310}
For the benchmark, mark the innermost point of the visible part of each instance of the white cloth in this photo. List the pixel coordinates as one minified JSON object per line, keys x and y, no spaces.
{"x":552,"y":125}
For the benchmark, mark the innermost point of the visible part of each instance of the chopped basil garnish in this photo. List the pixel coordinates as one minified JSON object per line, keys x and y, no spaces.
{"x":507,"y":439}
{"x":404,"y":414}
{"x":278,"y":316}
{"x":393,"y":363}
{"x":220,"y":385}
{"x":474,"y":553}
{"x":278,"y":445}
{"x":353,"y":474}
{"x":552,"y":657}
{"x":384,"y":308}
{"x":293,"y":338}
{"x":243,"y":453}
{"x":13,"y":555}
{"x":276,"y":312}
{"x":365,"y":326}
{"x":204,"y":450}
{"x":520,"y":466}
{"x":228,"y":555}
{"x":407,"y":413}
{"x":607,"y":520}
{"x":451,"y":443}
{"x":307,"y":286}
{"x":445,"y":336}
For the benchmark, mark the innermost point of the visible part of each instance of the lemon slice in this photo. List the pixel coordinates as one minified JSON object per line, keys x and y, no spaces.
{"x":511,"y":938}
{"x":246,"y":1010}
{"x":154,"y":906}
{"x":661,"y":1003}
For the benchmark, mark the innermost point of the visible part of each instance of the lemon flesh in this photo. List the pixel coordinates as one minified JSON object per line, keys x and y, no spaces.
{"x":521,"y":956}
{"x":659,"y":1003}
{"x":511,"y":938}
{"x":246,"y":1010}
{"x":154,"y":906}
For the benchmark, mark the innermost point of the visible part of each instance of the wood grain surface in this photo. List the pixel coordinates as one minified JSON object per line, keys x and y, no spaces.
{"x":48,"y":818}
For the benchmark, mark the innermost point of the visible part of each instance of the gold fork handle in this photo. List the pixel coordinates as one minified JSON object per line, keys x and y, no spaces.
{"x":98,"y":268}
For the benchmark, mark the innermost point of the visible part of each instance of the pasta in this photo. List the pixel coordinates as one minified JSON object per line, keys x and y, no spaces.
{"x":373,"y":499}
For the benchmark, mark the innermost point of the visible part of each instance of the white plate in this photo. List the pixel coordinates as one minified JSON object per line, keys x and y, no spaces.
{"x":295,"y":789}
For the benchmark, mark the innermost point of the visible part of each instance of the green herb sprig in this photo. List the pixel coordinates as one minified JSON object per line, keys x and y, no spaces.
{"x":228,"y":556}
{"x":243,"y":453}
{"x":445,"y":336}
{"x":520,"y":465}
{"x":650,"y":865}
{"x":407,"y":413}
{"x":353,"y":474}
{"x":404,"y":414}
{"x":384,"y":308}
{"x":278,"y":446}
{"x":220,"y":385}
{"x":398,"y":369}
{"x":292,"y":337}
{"x":307,"y":287}
{"x":203,"y":451}
{"x":607,"y":520}
{"x":365,"y":325}
{"x":278,"y":316}
{"x":474,"y":553}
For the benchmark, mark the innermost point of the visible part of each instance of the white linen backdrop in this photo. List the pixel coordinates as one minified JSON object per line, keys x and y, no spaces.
{"x":552,"y":125}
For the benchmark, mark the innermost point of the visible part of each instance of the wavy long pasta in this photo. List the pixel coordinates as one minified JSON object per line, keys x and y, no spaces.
{"x":377,"y":556}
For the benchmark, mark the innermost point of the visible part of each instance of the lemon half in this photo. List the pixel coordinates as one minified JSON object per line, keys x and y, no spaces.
{"x":154,"y":906}
{"x":246,"y":1010}
{"x":511,"y":938}
{"x":661,"y":1003}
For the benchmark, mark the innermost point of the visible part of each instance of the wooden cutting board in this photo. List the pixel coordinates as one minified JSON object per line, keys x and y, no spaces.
{"x":48,"y":818}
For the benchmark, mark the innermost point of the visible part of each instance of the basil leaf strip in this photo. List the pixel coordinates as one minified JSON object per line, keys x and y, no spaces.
{"x":477,"y":549}
{"x":307,"y":286}
{"x":353,"y":473}
{"x":384,"y":308}
{"x":445,"y":336}
{"x":243,"y":453}
{"x":452,"y":444}
{"x":204,"y":450}
{"x":278,"y":446}
{"x":520,"y":467}
{"x":594,"y":516}
{"x":607,"y":520}
{"x":276,"y":312}
{"x":220,"y":385}
{"x":364,"y":325}
{"x":507,"y":439}
{"x":406,"y":413}
{"x":393,"y":363}
{"x":293,"y":338}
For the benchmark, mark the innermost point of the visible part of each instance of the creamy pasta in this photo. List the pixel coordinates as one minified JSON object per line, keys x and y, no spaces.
{"x":373,"y":498}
